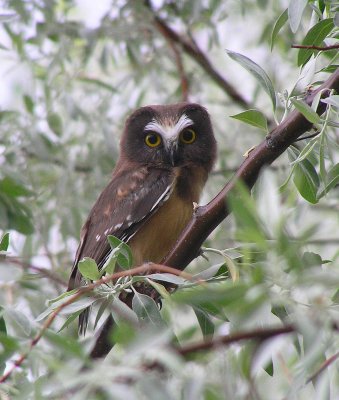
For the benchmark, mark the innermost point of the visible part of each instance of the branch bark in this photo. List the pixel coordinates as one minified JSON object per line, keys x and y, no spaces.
{"x":208,"y":217}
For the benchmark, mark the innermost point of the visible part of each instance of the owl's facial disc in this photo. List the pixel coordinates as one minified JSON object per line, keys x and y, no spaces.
{"x":170,"y":131}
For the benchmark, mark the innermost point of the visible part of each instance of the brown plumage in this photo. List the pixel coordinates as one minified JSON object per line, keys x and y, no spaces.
{"x":166,"y":153}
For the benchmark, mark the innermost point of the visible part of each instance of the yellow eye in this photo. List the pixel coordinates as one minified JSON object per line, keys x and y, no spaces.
{"x":187,"y":136}
{"x":153,"y":140}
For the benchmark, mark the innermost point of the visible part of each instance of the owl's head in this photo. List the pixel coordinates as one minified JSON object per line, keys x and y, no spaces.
{"x":170,"y":135}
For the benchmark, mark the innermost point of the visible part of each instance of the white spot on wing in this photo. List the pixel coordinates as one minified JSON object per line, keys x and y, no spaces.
{"x":97,"y":238}
{"x":164,"y":196}
{"x":169,"y":130}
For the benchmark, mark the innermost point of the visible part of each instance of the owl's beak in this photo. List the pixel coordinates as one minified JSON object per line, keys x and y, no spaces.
{"x":172,"y":149}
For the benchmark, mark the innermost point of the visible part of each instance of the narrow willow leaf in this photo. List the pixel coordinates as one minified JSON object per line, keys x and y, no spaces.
{"x":8,"y":346}
{"x":205,"y":322}
{"x":306,"y":181}
{"x":295,"y":12}
{"x":281,"y":21}
{"x":314,"y":37}
{"x":124,"y":253}
{"x":55,"y":123}
{"x":89,"y":269}
{"x":306,"y":111}
{"x":13,"y":188}
{"x":65,"y":343}
{"x":146,"y":309}
{"x":29,"y":103}
{"x":3,"y":328}
{"x":159,"y":288}
{"x":103,"y":306}
{"x":99,"y":83}
{"x":252,"y":117}
{"x":332,"y":181}
{"x":332,"y":100}
{"x":19,"y":319}
{"x":259,"y":74}
{"x":177,"y":280}
{"x":70,"y":319}
{"x":4,"y":243}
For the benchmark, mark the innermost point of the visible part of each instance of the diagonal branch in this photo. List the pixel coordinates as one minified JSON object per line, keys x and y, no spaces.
{"x":208,"y":217}
{"x":194,"y":52}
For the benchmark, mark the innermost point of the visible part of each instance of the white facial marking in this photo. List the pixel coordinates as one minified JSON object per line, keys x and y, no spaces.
{"x":117,"y":226}
{"x":169,"y":130}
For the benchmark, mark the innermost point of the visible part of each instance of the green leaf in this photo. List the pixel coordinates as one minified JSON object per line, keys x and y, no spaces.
{"x":99,"y":83}
{"x":29,"y":103}
{"x":124,"y":333}
{"x":89,"y":269}
{"x":19,"y":320}
{"x":205,"y":322}
{"x":259,"y":74}
{"x":314,"y":37}
{"x":306,"y":111}
{"x":8,"y":346}
{"x":3,"y":328}
{"x":306,"y":181}
{"x":12,"y":188}
{"x":70,"y":319}
{"x":332,"y":100}
{"x":103,"y":306}
{"x":4,"y":243}
{"x":295,"y":12}
{"x":55,"y":123}
{"x":124,"y":253}
{"x":78,"y":305}
{"x":225,"y":294}
{"x":332,"y":180}
{"x":244,"y":211}
{"x":177,"y":280}
{"x":281,"y":21}
{"x":311,"y":259}
{"x":66,"y":344}
{"x":146,"y":309}
{"x":252,"y":117}
{"x":7,"y":114}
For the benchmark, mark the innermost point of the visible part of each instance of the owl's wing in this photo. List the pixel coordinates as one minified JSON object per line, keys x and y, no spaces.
{"x":123,"y":207}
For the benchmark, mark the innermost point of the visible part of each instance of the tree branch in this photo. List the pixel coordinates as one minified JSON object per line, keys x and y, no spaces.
{"x":193,"y":51}
{"x":141,"y":270}
{"x":212,"y":343}
{"x":208,"y":217}
{"x":312,"y":47}
{"x":43,"y":271}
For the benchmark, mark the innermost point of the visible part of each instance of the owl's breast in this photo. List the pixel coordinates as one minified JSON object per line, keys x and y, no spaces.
{"x":159,"y":233}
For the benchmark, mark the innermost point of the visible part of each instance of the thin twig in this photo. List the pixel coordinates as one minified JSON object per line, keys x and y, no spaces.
{"x":312,"y":47}
{"x":323,"y":366}
{"x":143,"y":269}
{"x":181,"y":70}
{"x":44,"y":271}
{"x":193,"y":51}
{"x":258,"y":334}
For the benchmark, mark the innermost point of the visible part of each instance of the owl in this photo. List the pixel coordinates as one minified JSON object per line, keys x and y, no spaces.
{"x":166,"y":154}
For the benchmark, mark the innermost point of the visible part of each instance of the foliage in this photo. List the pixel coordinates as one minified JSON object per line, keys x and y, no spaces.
{"x":68,"y":81}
